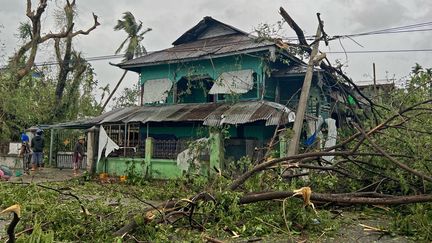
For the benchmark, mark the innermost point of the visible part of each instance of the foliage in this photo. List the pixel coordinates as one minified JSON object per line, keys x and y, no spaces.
{"x":135,"y":36}
{"x":414,"y":220}
{"x":23,"y":104}
{"x":128,"y":97}
{"x":29,"y":100}
{"x":134,"y":176}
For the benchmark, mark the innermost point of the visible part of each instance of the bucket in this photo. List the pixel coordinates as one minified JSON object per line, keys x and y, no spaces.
{"x":18,"y":173}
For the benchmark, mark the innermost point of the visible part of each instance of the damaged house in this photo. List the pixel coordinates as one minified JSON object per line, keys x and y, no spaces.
{"x":217,"y":87}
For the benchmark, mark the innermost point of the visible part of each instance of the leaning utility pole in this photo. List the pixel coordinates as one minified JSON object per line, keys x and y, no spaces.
{"x":374,"y":81}
{"x":301,"y":108}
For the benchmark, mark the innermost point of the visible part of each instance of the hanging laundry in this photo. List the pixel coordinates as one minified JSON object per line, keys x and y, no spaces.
{"x":106,"y":143}
{"x":310,"y":140}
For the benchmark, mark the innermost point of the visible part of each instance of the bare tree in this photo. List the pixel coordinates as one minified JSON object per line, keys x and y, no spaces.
{"x":66,"y":65}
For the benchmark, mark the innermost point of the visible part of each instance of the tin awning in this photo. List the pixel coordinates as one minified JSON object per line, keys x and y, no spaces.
{"x":209,"y":114}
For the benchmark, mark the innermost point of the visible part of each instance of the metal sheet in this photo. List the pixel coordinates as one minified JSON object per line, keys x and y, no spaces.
{"x":210,"y":114}
{"x":205,"y":48}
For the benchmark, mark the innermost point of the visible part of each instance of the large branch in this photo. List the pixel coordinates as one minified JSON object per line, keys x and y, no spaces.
{"x":327,"y":67}
{"x":260,"y":167}
{"x":82,"y":32}
{"x":314,"y":155}
{"x":366,"y":198}
{"x":35,"y":17}
{"x":295,"y":27}
{"x":392,"y":159}
{"x":344,"y":198}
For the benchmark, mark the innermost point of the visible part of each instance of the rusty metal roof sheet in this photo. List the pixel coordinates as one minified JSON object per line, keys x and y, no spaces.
{"x":201,"y":49}
{"x":210,"y":114}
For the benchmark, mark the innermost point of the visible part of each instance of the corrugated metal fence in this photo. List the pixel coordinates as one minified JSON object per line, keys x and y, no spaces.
{"x":64,"y":160}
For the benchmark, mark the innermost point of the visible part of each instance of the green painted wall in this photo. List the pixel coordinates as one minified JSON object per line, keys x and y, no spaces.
{"x":158,"y":169}
{"x":164,"y":169}
{"x":270,"y":89}
{"x":212,"y":68}
{"x":260,"y":132}
{"x":118,"y":166}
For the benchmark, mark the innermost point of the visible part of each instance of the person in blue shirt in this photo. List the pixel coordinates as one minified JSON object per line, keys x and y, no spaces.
{"x":25,"y":152}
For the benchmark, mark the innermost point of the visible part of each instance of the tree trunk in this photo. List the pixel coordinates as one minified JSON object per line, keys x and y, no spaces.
{"x":114,"y":90}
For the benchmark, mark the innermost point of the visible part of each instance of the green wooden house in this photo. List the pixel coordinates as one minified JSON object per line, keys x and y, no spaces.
{"x":217,"y":85}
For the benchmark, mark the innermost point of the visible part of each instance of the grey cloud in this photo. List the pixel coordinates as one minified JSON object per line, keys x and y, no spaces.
{"x":170,"y":18}
{"x":380,"y":13}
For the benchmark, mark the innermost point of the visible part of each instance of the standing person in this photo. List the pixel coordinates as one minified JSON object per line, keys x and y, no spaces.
{"x":37,"y":145}
{"x":25,"y":152}
{"x":78,"y":154}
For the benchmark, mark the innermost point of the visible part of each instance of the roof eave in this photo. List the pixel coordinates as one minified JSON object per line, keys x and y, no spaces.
{"x":205,"y":57}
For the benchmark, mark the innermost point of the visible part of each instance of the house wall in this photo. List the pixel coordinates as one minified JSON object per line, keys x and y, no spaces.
{"x":161,"y":168}
{"x":212,"y":68}
{"x":174,"y":130}
{"x":158,"y":168}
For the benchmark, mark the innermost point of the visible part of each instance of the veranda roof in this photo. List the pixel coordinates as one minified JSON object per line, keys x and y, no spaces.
{"x":210,"y":114}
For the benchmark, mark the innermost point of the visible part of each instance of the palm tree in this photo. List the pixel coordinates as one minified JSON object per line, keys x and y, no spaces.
{"x":133,"y":40}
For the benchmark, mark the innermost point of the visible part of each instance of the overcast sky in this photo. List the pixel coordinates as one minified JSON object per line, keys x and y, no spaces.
{"x":170,"y":18}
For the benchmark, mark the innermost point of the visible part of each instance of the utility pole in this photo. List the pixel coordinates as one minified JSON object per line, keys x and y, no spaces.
{"x":301,"y":108}
{"x":374,"y":81}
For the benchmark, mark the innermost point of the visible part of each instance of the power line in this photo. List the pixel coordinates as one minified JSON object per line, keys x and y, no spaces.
{"x":380,"y":51}
{"x":392,"y":30}
{"x":109,"y":57}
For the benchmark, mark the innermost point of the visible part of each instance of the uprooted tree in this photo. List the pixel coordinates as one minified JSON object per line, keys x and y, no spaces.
{"x":384,"y":160}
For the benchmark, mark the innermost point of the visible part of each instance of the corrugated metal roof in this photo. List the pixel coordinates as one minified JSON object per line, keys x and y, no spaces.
{"x":202,"y":29}
{"x":210,"y":114}
{"x":200,"y":49}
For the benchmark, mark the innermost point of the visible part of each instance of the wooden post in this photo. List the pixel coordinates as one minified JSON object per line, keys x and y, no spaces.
{"x":283,"y":145}
{"x":216,"y":151}
{"x":149,"y":154}
{"x":301,"y":108}
{"x":90,"y":149}
{"x":142,"y":95}
{"x":374,"y":81}
{"x":51,"y":148}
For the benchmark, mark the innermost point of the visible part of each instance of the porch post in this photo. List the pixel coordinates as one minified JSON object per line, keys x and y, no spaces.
{"x":283,"y":145}
{"x":51,"y":148}
{"x":149,"y":154}
{"x":90,"y":149}
{"x":216,"y":151}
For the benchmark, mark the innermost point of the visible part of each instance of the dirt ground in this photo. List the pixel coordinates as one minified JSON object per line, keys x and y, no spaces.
{"x":353,"y":231}
{"x":44,"y":175}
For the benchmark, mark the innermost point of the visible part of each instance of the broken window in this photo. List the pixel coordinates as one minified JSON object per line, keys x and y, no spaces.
{"x":234,"y":82}
{"x":194,"y":90}
{"x":156,"y":90}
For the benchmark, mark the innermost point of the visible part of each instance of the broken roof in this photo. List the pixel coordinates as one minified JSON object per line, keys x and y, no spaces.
{"x":210,"y":114}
